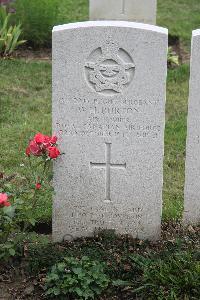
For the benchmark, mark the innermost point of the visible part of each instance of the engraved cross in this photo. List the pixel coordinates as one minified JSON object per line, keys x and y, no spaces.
{"x":108,"y":166}
{"x":123,"y":7}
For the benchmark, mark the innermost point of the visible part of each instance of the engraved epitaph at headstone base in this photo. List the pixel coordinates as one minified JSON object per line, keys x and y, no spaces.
{"x":192,"y":170}
{"x":109,"y":81}
{"x":143,"y":11}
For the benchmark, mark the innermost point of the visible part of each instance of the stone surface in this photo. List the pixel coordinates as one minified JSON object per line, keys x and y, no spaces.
{"x":109,"y":81}
{"x":192,"y":172}
{"x":143,"y":11}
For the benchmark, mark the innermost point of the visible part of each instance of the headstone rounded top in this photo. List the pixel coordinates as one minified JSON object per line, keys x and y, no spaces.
{"x":124,"y":24}
{"x":196,"y":32}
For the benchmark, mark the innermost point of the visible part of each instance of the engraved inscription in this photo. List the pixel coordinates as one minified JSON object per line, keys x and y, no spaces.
{"x":107,"y":165}
{"x":111,"y":117}
{"x":109,"y":69}
{"x":103,"y":218}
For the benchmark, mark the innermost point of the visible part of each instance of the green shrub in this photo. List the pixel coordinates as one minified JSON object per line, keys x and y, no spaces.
{"x":9,"y":35}
{"x":175,"y":277}
{"x":79,"y":278}
{"x":42,"y":255}
{"x":38,"y":18}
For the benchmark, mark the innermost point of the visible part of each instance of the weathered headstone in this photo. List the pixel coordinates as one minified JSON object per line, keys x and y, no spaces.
{"x":109,"y":108}
{"x":192,"y":173}
{"x":143,"y":11}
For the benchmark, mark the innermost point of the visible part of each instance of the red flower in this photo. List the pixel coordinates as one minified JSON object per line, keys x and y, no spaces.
{"x":53,"y":152}
{"x":4,"y":200}
{"x":47,"y":143}
{"x":39,"y":138}
{"x":43,"y":144}
{"x":38,"y":186}
{"x":3,"y":197}
{"x":35,"y":148}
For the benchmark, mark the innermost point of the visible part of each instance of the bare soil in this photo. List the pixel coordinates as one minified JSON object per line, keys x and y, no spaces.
{"x":30,"y":54}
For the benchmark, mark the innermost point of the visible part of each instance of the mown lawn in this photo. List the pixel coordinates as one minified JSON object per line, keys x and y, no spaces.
{"x":25,"y":109}
{"x":180,"y":17}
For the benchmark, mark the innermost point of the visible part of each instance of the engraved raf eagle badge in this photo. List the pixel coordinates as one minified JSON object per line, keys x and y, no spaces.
{"x":109,"y":69}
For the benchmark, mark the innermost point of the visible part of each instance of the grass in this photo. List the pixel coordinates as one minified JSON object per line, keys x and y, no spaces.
{"x":73,"y":11}
{"x":180,"y":17}
{"x":25,"y":100}
{"x":25,"y":106}
{"x":175,"y":137}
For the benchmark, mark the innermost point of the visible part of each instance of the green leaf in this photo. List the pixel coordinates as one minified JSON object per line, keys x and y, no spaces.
{"x":32,"y":221}
{"x":120,"y":282}
{"x":56,"y":291}
{"x":75,"y":276}
{"x":77,"y":270}
{"x":61,"y":267}
{"x":78,"y":291}
{"x":9,"y":211}
{"x":11,"y":251}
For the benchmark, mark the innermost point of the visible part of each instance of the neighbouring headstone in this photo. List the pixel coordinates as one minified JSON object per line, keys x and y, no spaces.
{"x":109,"y":82}
{"x":192,"y":172}
{"x":143,"y":11}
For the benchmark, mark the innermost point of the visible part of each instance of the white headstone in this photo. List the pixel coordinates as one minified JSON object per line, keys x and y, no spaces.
{"x":192,"y":173}
{"x":109,"y":81}
{"x":143,"y":11}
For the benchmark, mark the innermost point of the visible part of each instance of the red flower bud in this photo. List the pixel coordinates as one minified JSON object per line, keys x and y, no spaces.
{"x":38,"y":186}
{"x":28,"y":151}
